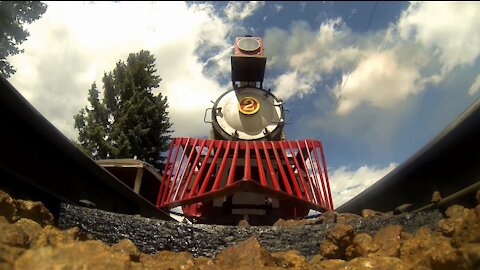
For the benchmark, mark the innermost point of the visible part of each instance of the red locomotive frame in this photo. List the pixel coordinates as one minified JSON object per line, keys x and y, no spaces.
{"x":199,"y":170}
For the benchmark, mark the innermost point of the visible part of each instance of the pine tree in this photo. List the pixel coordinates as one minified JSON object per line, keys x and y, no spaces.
{"x":13,"y":15}
{"x":91,"y":125}
{"x":130,"y":120}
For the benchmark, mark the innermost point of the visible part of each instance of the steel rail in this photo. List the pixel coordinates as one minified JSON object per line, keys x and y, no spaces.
{"x":38,"y":162}
{"x":448,"y":164}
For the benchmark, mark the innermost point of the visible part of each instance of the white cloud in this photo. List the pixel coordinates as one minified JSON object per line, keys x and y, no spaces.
{"x":292,"y":84}
{"x":421,"y":48}
{"x":221,"y":64}
{"x":379,"y":80}
{"x":346,"y":184}
{"x":475,"y":86}
{"x":382,"y":77}
{"x":74,"y":43}
{"x":303,"y":48}
{"x":239,"y":10}
{"x":308,"y":55}
{"x":448,"y":28}
{"x":278,"y":7}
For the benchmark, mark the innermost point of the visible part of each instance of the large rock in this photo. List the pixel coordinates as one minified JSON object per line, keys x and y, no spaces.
{"x":331,"y":251}
{"x":453,"y":223}
{"x":347,"y":218}
{"x":430,"y":251}
{"x":456,"y":211}
{"x":471,"y":254}
{"x":462,"y":224}
{"x":362,"y":245}
{"x":168,"y":260}
{"x":336,"y":241}
{"x":14,"y":210}
{"x":8,"y":256}
{"x":389,"y":241}
{"x":375,"y":262}
{"x":12,"y":235}
{"x":448,"y":226}
{"x":368,"y":213}
{"x":248,"y":254}
{"x":51,"y":248}
{"x":35,"y":211}
{"x":31,"y":228}
{"x":436,"y":197}
{"x":51,"y":236}
{"x":204,"y":263}
{"x":128,"y":247}
{"x":468,"y":231}
{"x":327,"y":264}
{"x":328,"y":217}
{"x":7,"y":207}
{"x":79,"y":255}
{"x":290,"y":259}
{"x":341,"y":235}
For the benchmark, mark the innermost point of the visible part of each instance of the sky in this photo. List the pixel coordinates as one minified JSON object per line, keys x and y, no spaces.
{"x":374,"y":81}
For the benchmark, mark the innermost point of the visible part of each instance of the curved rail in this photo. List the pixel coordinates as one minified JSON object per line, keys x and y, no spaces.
{"x":449,"y":164}
{"x":38,"y":162}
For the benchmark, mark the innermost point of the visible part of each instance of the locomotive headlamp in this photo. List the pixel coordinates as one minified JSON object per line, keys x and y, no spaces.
{"x":248,"y":45}
{"x":248,"y":60}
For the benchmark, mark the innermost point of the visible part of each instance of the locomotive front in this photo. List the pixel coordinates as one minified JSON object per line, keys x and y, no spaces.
{"x":246,"y":168}
{"x":248,"y":112}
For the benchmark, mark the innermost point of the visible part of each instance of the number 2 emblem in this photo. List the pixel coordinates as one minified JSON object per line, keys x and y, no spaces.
{"x":248,"y":105}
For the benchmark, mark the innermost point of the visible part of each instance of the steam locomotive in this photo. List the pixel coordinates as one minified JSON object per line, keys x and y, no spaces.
{"x":246,"y":169}
{"x":248,"y":112}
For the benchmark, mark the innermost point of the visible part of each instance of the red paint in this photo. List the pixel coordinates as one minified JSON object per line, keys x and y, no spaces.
{"x":216,"y":169}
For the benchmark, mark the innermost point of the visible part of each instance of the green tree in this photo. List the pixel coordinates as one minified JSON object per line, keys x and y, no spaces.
{"x":130,"y":120}
{"x":13,"y":15}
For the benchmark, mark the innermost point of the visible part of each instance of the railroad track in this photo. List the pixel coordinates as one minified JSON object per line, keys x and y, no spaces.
{"x":448,"y":164}
{"x":38,"y":162}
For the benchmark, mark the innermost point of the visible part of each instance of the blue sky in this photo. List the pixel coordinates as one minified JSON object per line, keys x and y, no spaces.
{"x":373,"y":95}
